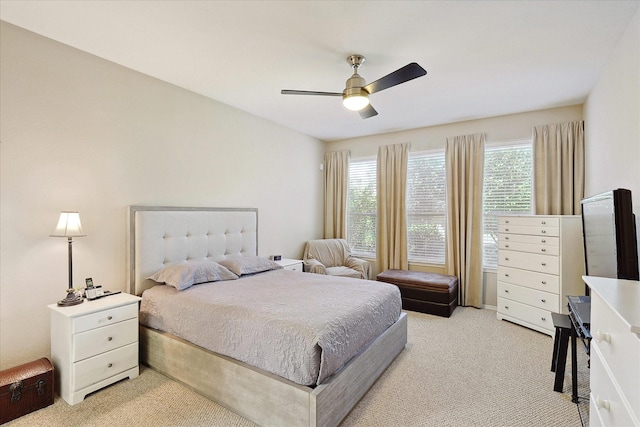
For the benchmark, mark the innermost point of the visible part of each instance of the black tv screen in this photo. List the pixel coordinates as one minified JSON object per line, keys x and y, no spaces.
{"x":609,"y":232}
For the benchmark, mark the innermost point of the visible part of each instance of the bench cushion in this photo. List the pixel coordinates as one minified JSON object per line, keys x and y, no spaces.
{"x":430,"y":293}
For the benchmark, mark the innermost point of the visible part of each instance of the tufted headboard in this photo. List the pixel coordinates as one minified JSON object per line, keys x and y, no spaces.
{"x":160,"y":235}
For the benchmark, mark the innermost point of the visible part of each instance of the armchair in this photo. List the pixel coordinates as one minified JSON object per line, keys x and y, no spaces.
{"x":333,"y":257}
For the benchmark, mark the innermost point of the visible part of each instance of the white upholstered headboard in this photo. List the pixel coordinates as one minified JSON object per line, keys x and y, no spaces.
{"x":160,"y":235}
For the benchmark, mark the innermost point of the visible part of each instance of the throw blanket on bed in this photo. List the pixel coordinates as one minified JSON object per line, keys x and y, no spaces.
{"x":301,"y":326}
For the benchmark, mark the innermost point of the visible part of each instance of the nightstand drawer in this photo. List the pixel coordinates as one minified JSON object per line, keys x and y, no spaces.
{"x":104,"y":318}
{"x":100,"y":340}
{"x":103,"y":366}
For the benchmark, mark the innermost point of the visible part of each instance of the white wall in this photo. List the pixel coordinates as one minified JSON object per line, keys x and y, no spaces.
{"x":612,"y":122}
{"x":503,"y":128}
{"x":81,"y":133}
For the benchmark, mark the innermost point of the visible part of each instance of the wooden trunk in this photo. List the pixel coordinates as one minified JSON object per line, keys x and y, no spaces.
{"x":25,"y":388}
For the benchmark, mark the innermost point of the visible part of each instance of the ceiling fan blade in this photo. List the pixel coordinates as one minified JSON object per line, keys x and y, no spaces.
{"x":402,"y":75}
{"x":368,"y":111}
{"x":308,"y":92}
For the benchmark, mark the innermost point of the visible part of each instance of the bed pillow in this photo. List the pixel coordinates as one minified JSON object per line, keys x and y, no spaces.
{"x":241,"y":265}
{"x":185,"y":274}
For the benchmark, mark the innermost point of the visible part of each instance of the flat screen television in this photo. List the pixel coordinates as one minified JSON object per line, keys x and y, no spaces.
{"x":609,"y":232}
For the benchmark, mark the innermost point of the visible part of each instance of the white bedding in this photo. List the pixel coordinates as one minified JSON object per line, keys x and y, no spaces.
{"x":301,"y":326}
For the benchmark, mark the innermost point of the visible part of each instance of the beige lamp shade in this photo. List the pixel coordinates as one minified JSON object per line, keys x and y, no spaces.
{"x":69,"y":225}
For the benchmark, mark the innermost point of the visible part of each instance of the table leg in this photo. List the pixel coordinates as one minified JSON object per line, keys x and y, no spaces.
{"x":574,"y":366}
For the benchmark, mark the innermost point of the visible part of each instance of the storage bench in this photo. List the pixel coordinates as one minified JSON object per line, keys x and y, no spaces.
{"x":429,"y":293}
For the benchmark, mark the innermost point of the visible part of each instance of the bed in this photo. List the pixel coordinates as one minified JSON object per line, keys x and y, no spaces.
{"x":160,"y":236}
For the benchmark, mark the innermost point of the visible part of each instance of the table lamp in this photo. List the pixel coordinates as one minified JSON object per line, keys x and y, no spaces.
{"x":69,"y":226}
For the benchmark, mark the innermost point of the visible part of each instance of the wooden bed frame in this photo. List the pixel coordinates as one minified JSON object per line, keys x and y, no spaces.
{"x":161,"y":235}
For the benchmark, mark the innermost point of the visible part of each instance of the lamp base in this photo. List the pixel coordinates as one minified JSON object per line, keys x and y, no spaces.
{"x":71,"y":299}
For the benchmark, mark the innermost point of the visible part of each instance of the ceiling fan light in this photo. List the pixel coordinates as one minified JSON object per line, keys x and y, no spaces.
{"x":355,"y":102}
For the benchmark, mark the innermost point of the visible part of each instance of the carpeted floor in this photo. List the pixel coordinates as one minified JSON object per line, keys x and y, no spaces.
{"x":468,"y":370}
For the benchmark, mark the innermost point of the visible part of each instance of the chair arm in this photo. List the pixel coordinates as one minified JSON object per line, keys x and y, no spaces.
{"x":314,"y":266}
{"x":364,"y":267}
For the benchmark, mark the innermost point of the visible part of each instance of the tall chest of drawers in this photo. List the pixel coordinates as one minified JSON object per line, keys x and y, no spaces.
{"x":615,"y":352}
{"x":94,"y":344}
{"x":540,"y":262}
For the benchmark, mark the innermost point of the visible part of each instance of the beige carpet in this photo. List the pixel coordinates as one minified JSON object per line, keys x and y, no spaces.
{"x":468,"y":370}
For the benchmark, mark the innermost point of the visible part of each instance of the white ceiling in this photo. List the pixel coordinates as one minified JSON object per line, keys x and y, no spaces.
{"x":483,"y":58}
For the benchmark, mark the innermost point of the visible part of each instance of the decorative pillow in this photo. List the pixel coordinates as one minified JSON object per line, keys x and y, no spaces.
{"x":185,"y":274}
{"x":249,"y":264}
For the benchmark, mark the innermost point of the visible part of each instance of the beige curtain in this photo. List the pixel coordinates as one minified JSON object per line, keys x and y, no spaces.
{"x":336,"y":177}
{"x":558,"y":168}
{"x":464,"y":157}
{"x":391,"y":241}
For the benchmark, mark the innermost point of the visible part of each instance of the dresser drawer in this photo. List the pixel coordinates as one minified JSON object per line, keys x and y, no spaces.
{"x":619,"y":348}
{"x":100,"y":340}
{"x":544,"y":300}
{"x":541,"y":263}
{"x":104,"y":317}
{"x":526,"y":238}
{"x":103,"y":366}
{"x":606,"y":404}
{"x":530,"y":221}
{"x":529,"y":247}
{"x":527,"y":313}
{"x":530,"y":230}
{"x":531,"y":279}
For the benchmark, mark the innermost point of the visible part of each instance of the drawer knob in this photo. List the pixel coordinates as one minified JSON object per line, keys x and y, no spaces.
{"x":544,"y":222}
{"x":603,"y":336}
{"x":543,"y":231}
{"x":544,"y":282}
{"x":506,"y":307}
{"x":506,"y":246}
{"x":110,"y":318}
{"x":544,"y":319}
{"x":109,"y":338}
{"x":506,"y":275}
{"x":506,"y":229}
{"x":506,"y":237}
{"x":506,"y":221}
{"x":506,"y":259}
{"x":109,"y":365}
{"x":544,"y":241}
{"x":544,"y":250}
{"x":506,"y":291}
{"x":602,"y":403}
{"x":544,"y":264}
{"x":543,"y":300}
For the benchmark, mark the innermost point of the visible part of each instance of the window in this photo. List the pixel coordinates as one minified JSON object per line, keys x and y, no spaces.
{"x":426,"y":207}
{"x":362,"y":207}
{"x":507,"y":189}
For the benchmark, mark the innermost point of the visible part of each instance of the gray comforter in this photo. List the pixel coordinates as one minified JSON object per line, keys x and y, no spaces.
{"x":301,"y":326}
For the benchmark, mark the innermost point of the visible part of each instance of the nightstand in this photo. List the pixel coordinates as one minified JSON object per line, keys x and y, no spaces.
{"x":291,"y":264}
{"x":94,"y":344}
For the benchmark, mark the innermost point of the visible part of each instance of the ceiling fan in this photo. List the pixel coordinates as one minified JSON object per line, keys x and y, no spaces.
{"x":355,"y":96}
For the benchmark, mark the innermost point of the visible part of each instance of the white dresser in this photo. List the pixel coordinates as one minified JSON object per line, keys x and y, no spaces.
{"x":615,"y":352}
{"x":540,"y":262}
{"x":94,"y":344}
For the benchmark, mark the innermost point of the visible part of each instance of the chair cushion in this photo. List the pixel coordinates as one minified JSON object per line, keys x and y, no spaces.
{"x":427,"y":281}
{"x":344,"y":272}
